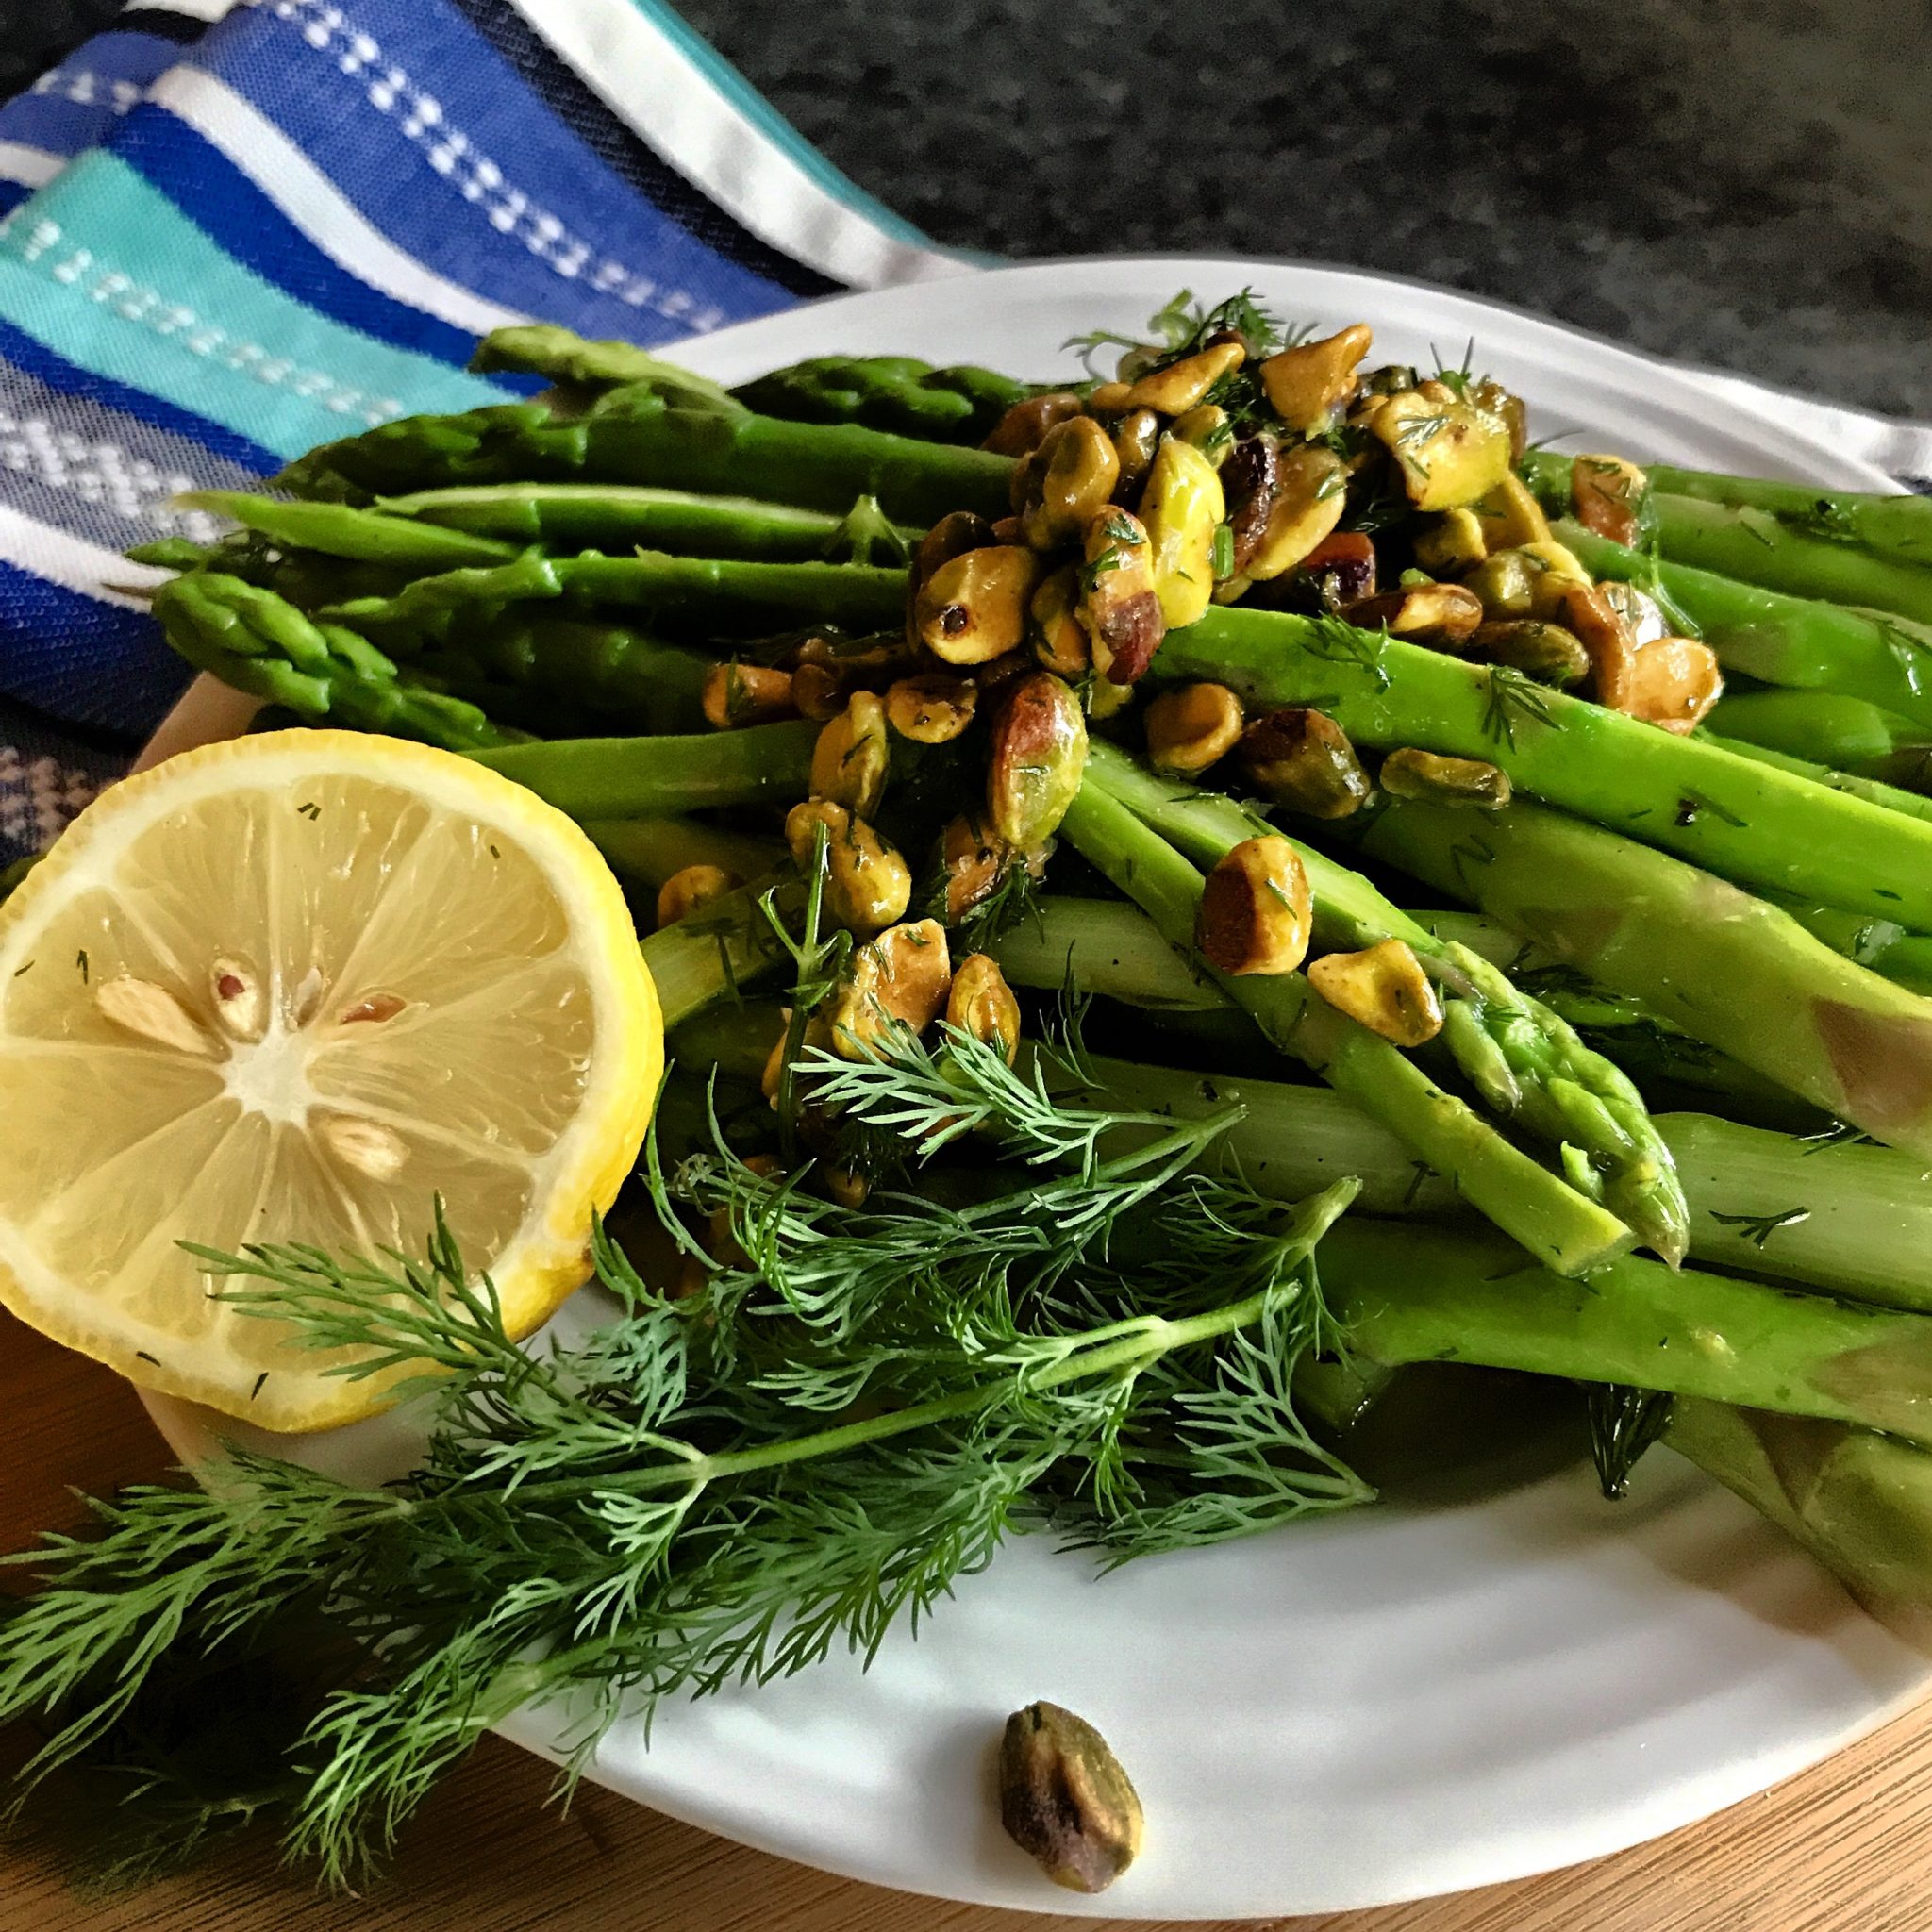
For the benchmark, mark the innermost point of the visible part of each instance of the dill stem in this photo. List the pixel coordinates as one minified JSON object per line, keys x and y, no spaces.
{"x":1148,"y":1338}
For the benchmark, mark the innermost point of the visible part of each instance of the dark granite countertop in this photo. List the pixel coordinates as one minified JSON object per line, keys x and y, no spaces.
{"x":1746,"y":183}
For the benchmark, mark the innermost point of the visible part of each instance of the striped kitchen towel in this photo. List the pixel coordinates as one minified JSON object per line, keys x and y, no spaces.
{"x":228,"y":234}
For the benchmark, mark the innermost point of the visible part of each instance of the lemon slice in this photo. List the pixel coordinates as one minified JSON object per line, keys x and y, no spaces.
{"x":295,"y":988}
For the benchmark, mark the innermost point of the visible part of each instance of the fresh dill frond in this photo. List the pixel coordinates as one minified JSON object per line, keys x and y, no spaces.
{"x":1624,"y":1423}
{"x":1460,"y":377}
{"x":1758,"y":1228}
{"x":818,"y":960}
{"x":1511,"y":697}
{"x":1337,"y":641}
{"x":1014,"y":899}
{"x":1183,"y":326}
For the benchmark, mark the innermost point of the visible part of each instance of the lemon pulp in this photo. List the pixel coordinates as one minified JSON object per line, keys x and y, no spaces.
{"x":298,"y":988}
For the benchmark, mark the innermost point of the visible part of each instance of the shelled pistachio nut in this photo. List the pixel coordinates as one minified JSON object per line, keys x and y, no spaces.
{"x":689,"y":891}
{"x":1545,"y":652}
{"x":1079,"y":471}
{"x":1037,"y":758}
{"x":902,"y":978}
{"x":1384,"y":989}
{"x":868,"y":885}
{"x":1193,"y":727}
{"x":1181,"y":385}
{"x":982,"y":1004}
{"x":974,"y":607}
{"x":1255,"y":909}
{"x":932,"y":708}
{"x":1066,"y":1800}
{"x":735,"y":695}
{"x":851,"y":755}
{"x":1303,"y":759}
{"x":1310,"y":383}
{"x":1408,"y":773}
{"x":1181,"y":507}
{"x":1119,"y":608}
{"x":1608,"y":495}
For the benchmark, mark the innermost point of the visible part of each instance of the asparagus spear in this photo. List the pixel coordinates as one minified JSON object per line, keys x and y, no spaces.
{"x":1898,"y":526}
{"x":616,"y":516}
{"x":1740,"y":819}
{"x":1783,"y":639}
{"x":640,"y":440}
{"x":1757,"y":548}
{"x":722,"y":594}
{"x":1104,"y":946}
{"x":1109,"y":947}
{"x":1873,"y":791}
{"x":1861,"y":1502}
{"x":571,"y":674}
{"x":339,"y":529}
{"x":1823,"y":727}
{"x":1883,"y":946}
{"x":643,"y":778}
{"x":650,"y":850}
{"x":1551,"y":1219}
{"x":1525,"y":1061}
{"x":959,"y":404}
{"x":259,"y":642}
{"x":1413,"y":1294}
{"x":726,"y":944}
{"x":542,"y":348}
{"x":1726,"y":968}
{"x":1841,"y":1215}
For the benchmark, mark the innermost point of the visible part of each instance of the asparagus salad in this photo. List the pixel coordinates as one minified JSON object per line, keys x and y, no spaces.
{"x":1173,"y":897}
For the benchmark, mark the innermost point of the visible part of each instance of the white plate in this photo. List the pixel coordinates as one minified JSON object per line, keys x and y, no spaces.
{"x":1371,"y":1708}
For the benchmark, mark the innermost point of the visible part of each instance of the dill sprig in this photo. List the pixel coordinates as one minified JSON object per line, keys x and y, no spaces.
{"x":1184,"y":325}
{"x":687,"y":1497}
{"x":1624,"y":1423}
{"x":1510,"y":698}
{"x":818,"y":958}
{"x":1337,"y":641}
{"x":1758,"y":1228}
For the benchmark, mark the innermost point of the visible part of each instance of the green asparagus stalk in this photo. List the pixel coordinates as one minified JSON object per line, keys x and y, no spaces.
{"x":1823,"y":727}
{"x":1836,"y":1214}
{"x":616,"y":517}
{"x":1727,"y":967}
{"x":1897,"y":526}
{"x":1884,"y":659}
{"x":1861,"y":1502}
{"x":1571,"y":1233}
{"x":641,"y":441}
{"x":339,"y":529}
{"x":1883,"y":944}
{"x":1110,"y":948}
{"x":1757,"y":548}
{"x":650,"y":850}
{"x":258,"y":642}
{"x":723,"y":947}
{"x":719,"y":595}
{"x":1739,"y":818}
{"x":1528,"y":1064}
{"x":1914,"y":804}
{"x":1413,"y":1294}
{"x":539,"y":348}
{"x":960,"y":404}
{"x":645,"y":777}
{"x":572,"y":676}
